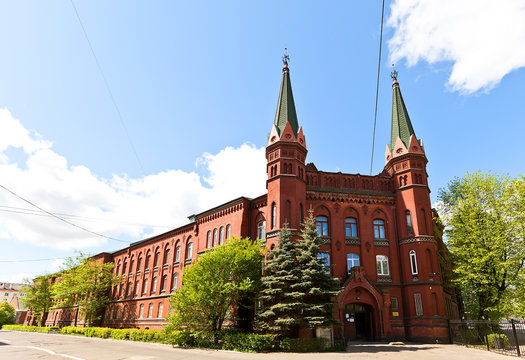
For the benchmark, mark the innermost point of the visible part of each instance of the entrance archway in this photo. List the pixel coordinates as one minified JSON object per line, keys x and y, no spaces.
{"x":358,"y":322}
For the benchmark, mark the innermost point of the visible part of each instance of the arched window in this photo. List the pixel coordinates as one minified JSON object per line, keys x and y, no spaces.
{"x":189,"y":251}
{"x":214,"y":237}
{"x":221,"y":235}
{"x":177,"y":254}
{"x":124,"y":267}
{"x":300,"y":213}
{"x":157,"y":259}
{"x":382,"y":265}
{"x":139,"y":264}
{"x":352,"y":260}
{"x":154,"y":286}
{"x":423,"y":222}
{"x":164,"y":282}
{"x":208,"y":239}
{"x":160,"y":310}
{"x":379,"y":229}
{"x":429,"y":260}
{"x":141,"y":311}
{"x":145,"y":287}
{"x":175,"y":281}
{"x":351,"y":227}
{"x":322,"y":225}
{"x":125,"y":312}
{"x":410,"y":230}
{"x":112,"y":313}
{"x":166,"y":256}
{"x":289,"y":211}
{"x":117,"y":271}
{"x":228,"y":231}
{"x":148,"y":261}
{"x":325,"y":259}
{"x":150,"y":310}
{"x":413,"y":262}
{"x":137,"y":284}
{"x":130,"y":285}
{"x":131,"y":265}
{"x":274,"y":215}
{"x":261,"y":230}
{"x":117,"y":311}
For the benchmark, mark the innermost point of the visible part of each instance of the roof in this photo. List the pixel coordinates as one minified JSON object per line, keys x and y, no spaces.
{"x":401,"y":125}
{"x":285,"y":105}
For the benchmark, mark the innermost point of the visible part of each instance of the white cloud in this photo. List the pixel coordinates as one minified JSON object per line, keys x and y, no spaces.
{"x":20,"y":278}
{"x":482,"y":38}
{"x":108,"y":206}
{"x":58,"y":263}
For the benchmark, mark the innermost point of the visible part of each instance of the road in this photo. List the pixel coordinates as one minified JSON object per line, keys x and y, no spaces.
{"x":29,"y":346}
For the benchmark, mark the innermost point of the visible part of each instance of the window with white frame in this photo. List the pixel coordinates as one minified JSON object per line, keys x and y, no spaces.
{"x":189,"y":253}
{"x":154,"y":286}
{"x":352,"y":260}
{"x":261,"y":230}
{"x":175,"y":281}
{"x":325,"y":261}
{"x":141,"y":311}
{"x":410,"y":230}
{"x":413,"y":262}
{"x":166,"y":256}
{"x":177,"y":254}
{"x":137,"y":287}
{"x":228,"y":231}
{"x":145,"y":287}
{"x":221,"y":235}
{"x":274,"y":215}
{"x":160,"y":310}
{"x":208,"y":240}
{"x":164,"y":282}
{"x":379,"y":229}
{"x":382,"y":265}
{"x":214,"y":237}
{"x":150,"y":310}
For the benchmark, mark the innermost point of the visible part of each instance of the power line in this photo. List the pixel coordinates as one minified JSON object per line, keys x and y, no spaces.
{"x":26,"y":211}
{"x":29,"y":260}
{"x":108,"y":88}
{"x":377,"y":85}
{"x":62,"y":219}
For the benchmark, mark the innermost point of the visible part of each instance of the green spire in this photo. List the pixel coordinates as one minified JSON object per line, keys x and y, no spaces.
{"x":401,"y":125}
{"x":285,"y":105}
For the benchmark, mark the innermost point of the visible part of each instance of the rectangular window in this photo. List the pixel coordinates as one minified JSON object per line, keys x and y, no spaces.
{"x":413,"y":262}
{"x":351,"y":261}
{"x":325,"y":260}
{"x":177,"y":255}
{"x":419,"y":304}
{"x":379,"y":229}
{"x":382,"y":265}
{"x":394,"y":303}
{"x":350,"y":227}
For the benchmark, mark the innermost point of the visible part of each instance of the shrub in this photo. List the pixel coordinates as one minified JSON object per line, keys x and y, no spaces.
{"x":27,"y":328}
{"x":180,"y":338}
{"x":503,"y":343}
{"x":121,"y":334}
{"x":248,"y":342}
{"x":304,"y":345}
{"x":73,"y":330}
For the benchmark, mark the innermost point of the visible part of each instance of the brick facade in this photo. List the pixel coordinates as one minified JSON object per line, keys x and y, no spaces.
{"x":383,"y":225}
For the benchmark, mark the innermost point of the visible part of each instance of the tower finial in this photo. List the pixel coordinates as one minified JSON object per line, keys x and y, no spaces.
{"x":393,"y":74}
{"x":286,"y":57}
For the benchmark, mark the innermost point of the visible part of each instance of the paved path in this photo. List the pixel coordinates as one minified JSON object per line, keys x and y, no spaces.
{"x":31,"y":346}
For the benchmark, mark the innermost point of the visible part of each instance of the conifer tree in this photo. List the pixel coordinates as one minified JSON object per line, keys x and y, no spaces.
{"x":315,"y":281}
{"x":281,"y":301}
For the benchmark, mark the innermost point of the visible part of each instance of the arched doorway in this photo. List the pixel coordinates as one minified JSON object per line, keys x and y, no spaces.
{"x":358,"y":322}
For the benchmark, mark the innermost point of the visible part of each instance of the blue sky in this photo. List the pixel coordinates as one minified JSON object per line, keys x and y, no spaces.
{"x":196,"y":83}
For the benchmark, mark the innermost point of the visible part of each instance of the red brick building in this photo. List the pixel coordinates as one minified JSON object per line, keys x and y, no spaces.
{"x":378,"y":234}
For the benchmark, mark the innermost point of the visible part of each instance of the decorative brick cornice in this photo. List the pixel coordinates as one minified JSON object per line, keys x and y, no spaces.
{"x":381,"y":242}
{"x":415,"y":239}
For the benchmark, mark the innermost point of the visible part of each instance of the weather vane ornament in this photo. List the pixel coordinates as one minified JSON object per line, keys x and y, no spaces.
{"x":393,"y":74}
{"x":286,"y":57}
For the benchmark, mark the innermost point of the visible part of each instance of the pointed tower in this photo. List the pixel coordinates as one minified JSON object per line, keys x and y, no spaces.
{"x":406,"y":161}
{"x":285,"y":155}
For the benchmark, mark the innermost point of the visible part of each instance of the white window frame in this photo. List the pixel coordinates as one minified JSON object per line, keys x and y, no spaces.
{"x":326,"y":261}
{"x":349,"y":268}
{"x":382,"y":262}
{"x":413,"y":262}
{"x":261,"y":230}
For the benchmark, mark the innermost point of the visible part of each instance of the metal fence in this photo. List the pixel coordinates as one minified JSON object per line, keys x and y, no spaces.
{"x":503,"y":337}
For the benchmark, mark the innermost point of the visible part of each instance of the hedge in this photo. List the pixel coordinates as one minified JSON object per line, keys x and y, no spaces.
{"x":227,"y":339}
{"x":29,"y":328}
{"x":503,"y":342}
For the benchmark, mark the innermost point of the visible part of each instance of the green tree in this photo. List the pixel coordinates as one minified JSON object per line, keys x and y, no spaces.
{"x":280,"y":299}
{"x":38,"y":297}
{"x":315,"y":281}
{"x":484,"y":215}
{"x":298,"y":290}
{"x":85,"y":283}
{"x":7,"y":314}
{"x":215,"y":283}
